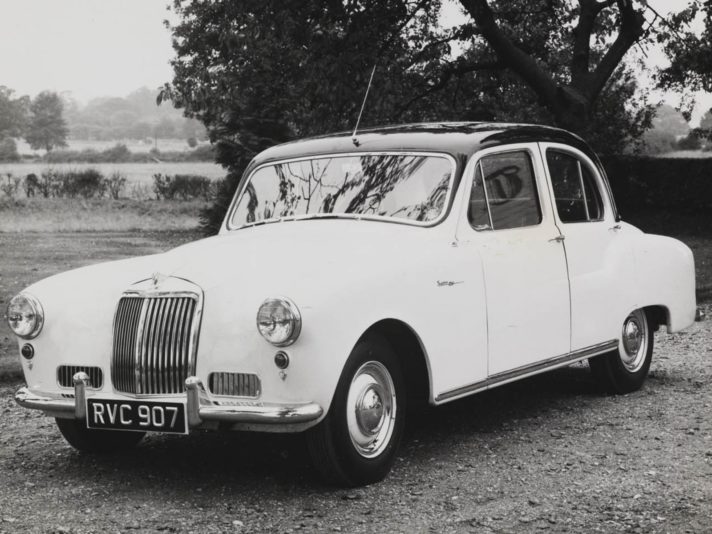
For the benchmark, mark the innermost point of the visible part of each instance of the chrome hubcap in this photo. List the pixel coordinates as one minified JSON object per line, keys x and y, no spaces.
{"x":634,"y":341}
{"x":371,"y":409}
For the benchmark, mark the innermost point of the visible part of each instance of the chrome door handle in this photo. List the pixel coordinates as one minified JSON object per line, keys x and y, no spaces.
{"x":557,"y":239}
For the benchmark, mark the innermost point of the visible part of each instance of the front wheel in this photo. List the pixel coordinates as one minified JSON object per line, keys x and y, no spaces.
{"x":93,"y":440}
{"x":624,"y":370}
{"x":357,"y":442}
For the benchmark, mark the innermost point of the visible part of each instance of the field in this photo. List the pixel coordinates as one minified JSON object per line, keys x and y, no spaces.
{"x":686,"y":154}
{"x":135,"y":173}
{"x":97,"y":215}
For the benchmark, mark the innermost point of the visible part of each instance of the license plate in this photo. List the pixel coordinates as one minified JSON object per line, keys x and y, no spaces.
{"x":137,"y":416}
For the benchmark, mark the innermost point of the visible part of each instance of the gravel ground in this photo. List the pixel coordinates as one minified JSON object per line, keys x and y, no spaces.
{"x":550,"y":453}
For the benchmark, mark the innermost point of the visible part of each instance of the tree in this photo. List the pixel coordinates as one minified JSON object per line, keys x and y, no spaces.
{"x":13,"y":113}
{"x":671,"y":121}
{"x":690,"y":142}
{"x":689,"y":52}
{"x":47,"y":128}
{"x":260,"y":72}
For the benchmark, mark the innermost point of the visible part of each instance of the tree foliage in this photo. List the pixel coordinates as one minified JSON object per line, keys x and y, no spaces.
{"x":690,"y":51}
{"x":47,"y":128}
{"x":13,"y":113}
{"x":260,"y":72}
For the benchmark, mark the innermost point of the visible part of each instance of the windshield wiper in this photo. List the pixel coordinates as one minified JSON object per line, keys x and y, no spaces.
{"x":325,"y":216}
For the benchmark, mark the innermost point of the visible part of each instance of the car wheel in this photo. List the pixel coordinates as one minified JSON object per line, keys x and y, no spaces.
{"x":624,"y":370}
{"x":357,"y":441}
{"x":91,"y":440}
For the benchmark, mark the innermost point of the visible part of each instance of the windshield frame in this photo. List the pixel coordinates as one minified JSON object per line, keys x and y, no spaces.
{"x":446,"y":206}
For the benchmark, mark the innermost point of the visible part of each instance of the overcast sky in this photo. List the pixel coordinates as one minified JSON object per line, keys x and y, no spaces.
{"x":111,"y":47}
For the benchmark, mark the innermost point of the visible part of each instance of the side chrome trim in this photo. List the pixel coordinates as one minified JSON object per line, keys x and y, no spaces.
{"x":528,"y":370}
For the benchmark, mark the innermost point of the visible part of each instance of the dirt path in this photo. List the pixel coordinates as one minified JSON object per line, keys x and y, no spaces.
{"x":547,"y":454}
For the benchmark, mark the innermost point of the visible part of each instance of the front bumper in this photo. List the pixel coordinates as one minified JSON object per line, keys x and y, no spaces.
{"x":202,"y":409}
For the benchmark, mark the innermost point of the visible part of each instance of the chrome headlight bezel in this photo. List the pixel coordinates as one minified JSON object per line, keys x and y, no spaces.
{"x":291,"y":316}
{"x":37,"y":313}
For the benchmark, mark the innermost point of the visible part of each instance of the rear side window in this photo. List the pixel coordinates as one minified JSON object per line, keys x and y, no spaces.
{"x":504,"y":193}
{"x":576,"y":192}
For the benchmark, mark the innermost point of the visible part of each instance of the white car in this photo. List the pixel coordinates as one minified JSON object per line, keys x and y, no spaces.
{"x":354,"y":278}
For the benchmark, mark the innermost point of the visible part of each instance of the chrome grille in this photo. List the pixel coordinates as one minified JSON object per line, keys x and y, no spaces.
{"x":65,"y":375}
{"x":153,"y":350}
{"x":234,"y":384}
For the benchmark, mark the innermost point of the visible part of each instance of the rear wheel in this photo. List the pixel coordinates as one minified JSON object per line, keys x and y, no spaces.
{"x":624,"y":370}
{"x":91,"y":440}
{"x":357,"y":442}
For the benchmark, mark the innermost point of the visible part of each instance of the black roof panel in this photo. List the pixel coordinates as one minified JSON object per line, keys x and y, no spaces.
{"x":460,"y":139}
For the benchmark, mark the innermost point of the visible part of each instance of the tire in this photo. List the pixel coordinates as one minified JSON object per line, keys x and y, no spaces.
{"x":90,"y":440}
{"x":624,"y":370}
{"x":353,"y":447}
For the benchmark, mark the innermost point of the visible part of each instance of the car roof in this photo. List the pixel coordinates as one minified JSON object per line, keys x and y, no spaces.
{"x":459,"y":139}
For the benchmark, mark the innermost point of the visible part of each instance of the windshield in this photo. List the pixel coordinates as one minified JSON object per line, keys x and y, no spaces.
{"x":413,"y":188}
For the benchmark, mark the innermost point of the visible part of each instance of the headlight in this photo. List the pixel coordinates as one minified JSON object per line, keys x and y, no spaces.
{"x":25,"y":316}
{"x":279,"y":321}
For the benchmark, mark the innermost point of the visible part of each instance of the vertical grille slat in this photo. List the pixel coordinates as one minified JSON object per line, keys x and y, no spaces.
{"x":152,"y":352}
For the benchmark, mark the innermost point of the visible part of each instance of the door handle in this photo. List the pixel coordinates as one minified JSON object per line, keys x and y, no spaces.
{"x":557,"y":239}
{"x":616,"y":228}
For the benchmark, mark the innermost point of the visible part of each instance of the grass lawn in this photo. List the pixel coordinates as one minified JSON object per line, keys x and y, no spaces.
{"x":97,"y":215}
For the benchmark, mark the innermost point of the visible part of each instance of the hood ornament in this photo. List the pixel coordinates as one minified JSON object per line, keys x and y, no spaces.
{"x":157,"y":279}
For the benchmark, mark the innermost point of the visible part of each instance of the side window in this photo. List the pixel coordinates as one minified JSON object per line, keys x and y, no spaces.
{"x":504,"y":193}
{"x":576,"y":192}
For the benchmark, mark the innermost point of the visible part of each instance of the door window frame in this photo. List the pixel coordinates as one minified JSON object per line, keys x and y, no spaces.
{"x":602,"y":185}
{"x":540,"y":180}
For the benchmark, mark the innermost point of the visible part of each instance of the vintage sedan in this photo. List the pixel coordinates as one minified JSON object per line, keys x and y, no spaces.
{"x":354,"y":278}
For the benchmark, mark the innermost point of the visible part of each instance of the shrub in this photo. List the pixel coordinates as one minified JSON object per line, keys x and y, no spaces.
{"x":119,"y":153}
{"x":192,"y":142}
{"x":661,"y":184}
{"x":87,"y":183}
{"x":10,"y":185}
{"x":8,"y":150}
{"x":115,"y":184}
{"x":691,"y":142}
{"x":31,"y":185}
{"x":181,"y":186}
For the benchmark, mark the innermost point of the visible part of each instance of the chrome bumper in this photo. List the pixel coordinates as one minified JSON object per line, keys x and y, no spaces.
{"x":200,"y":406}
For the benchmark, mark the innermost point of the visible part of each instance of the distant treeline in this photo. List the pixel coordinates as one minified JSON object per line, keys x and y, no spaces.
{"x":135,"y":116}
{"x":121,"y":154}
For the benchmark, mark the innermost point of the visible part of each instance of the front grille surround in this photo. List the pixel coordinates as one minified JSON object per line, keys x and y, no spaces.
{"x":155,"y":337}
{"x":235,"y":384}
{"x":65,"y":375}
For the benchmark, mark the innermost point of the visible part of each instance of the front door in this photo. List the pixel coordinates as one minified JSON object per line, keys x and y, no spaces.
{"x":510,"y":225}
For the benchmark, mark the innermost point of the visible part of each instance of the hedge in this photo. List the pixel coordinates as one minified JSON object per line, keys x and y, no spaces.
{"x":644,"y":184}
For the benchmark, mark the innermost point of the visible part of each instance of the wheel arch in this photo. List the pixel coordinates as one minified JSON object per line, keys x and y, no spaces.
{"x":657,"y":315}
{"x":411,"y":353}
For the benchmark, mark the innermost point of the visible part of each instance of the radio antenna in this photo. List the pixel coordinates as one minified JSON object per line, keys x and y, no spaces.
{"x":363,"y":105}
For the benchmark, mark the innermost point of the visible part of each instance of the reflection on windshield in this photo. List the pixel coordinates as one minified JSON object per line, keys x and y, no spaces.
{"x":400,"y":186}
